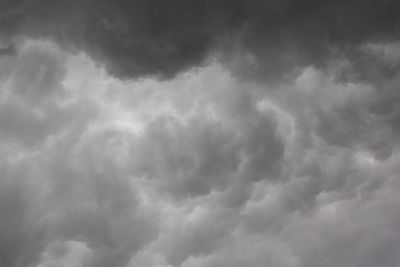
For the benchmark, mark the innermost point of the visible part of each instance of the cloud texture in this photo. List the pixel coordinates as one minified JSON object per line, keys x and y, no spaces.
{"x":199,"y":133}
{"x":156,"y":37}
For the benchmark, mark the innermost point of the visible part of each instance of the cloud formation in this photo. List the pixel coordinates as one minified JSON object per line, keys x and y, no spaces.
{"x":257,"y":38}
{"x":200,"y":170}
{"x":271,"y":138}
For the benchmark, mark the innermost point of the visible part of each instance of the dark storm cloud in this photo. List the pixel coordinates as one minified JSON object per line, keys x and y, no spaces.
{"x":132,"y":37}
{"x":207,"y":168}
{"x":162,"y":38}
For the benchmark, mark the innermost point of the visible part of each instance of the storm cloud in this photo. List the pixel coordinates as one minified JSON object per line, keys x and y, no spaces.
{"x":199,"y":133}
{"x":162,"y":38}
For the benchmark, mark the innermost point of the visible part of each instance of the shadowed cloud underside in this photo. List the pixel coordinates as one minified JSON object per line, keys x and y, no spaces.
{"x":199,"y":133}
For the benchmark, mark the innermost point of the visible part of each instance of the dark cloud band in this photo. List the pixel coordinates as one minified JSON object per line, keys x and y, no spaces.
{"x":162,"y":38}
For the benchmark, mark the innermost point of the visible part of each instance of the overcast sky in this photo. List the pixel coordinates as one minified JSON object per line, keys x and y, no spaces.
{"x":199,"y":133}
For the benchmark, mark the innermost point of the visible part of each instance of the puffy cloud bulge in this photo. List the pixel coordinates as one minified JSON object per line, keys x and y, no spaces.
{"x":199,"y":133}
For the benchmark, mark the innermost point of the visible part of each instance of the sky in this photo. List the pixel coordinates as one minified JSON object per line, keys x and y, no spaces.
{"x":199,"y":133}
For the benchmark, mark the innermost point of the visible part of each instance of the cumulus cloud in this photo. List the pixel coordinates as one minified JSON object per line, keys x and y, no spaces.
{"x":272,"y":142}
{"x":201,"y":170}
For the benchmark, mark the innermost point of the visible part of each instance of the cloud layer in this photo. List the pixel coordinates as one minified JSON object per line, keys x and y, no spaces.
{"x":201,"y":170}
{"x":199,"y":133}
{"x":257,"y":38}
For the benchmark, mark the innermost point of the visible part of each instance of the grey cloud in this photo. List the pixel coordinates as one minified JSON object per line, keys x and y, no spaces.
{"x":7,"y":51}
{"x":358,"y":224}
{"x":337,"y":205}
{"x":203,"y":170}
{"x":30,"y":78}
{"x":56,"y":189}
{"x":161,"y":38}
{"x":39,"y":69}
{"x":133,"y":38}
{"x":200,"y":237}
{"x":199,"y":155}
{"x":22,"y":126}
{"x":70,"y":253}
{"x":52,"y":198}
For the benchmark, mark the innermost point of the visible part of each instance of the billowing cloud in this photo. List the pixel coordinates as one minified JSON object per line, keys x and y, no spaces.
{"x":272,"y":139}
{"x":200,"y":170}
